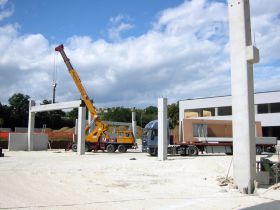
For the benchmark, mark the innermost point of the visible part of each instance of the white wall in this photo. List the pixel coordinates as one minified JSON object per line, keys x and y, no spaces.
{"x":270,"y":119}
{"x":18,"y":141}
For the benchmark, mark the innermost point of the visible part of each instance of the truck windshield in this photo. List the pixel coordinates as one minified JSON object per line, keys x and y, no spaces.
{"x":147,"y":134}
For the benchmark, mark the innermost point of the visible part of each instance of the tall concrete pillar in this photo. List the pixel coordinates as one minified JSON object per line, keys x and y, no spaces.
{"x":31,"y":124}
{"x":134,"y":124}
{"x":216,"y":111}
{"x":81,"y":131}
{"x":256,"y":109}
{"x":243,"y":55}
{"x":162,"y":128}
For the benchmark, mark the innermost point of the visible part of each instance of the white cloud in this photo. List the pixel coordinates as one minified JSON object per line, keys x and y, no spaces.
{"x":119,"y":25}
{"x":3,"y":3}
{"x":184,"y":55}
{"x":5,"y":13}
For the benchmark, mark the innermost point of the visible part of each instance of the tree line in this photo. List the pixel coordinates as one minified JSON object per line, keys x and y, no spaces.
{"x":15,"y":114}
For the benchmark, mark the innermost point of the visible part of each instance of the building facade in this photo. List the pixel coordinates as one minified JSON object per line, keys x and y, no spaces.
{"x":267,"y":110}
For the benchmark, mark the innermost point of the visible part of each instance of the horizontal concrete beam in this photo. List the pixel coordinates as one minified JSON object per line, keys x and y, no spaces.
{"x":56,"y":106}
{"x":117,"y":123}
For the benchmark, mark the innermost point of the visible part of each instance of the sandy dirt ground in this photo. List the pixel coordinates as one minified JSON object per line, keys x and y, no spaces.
{"x":64,"y":180}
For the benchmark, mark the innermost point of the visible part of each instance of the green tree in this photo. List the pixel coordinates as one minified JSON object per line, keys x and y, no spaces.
{"x":19,"y":107}
{"x":117,"y":114}
{"x":144,"y":116}
{"x":173,"y":115}
{"x":5,"y":116}
{"x":73,"y":114}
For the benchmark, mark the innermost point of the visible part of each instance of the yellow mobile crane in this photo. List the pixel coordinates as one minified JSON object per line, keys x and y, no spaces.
{"x":98,"y":138}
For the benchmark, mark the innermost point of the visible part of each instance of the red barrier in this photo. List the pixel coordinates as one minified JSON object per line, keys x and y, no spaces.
{"x":4,"y":135}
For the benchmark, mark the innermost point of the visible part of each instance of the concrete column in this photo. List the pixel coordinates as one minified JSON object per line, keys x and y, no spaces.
{"x":162,"y":128}
{"x":256,"y":109}
{"x":134,"y":124}
{"x":216,"y":111}
{"x":31,"y":124}
{"x":81,"y":131}
{"x":242,"y":55}
{"x":269,"y":108}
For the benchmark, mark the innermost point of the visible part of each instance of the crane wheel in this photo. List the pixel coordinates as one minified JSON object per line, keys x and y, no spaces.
{"x":192,"y":151}
{"x":110,"y":148}
{"x":122,"y":148}
{"x":74,"y":147}
{"x":87,"y":147}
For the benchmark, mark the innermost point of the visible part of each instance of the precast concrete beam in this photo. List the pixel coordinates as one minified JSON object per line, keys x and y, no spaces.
{"x":162,"y":129}
{"x":56,"y":106}
{"x":242,"y":55}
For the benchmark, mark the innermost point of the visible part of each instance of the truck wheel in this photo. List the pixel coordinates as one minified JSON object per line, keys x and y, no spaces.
{"x":122,"y":148}
{"x":110,"y":148}
{"x":258,"y":150}
{"x":192,"y":151}
{"x":74,"y":147}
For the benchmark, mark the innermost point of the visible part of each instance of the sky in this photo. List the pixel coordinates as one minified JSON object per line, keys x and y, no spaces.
{"x":129,"y":53}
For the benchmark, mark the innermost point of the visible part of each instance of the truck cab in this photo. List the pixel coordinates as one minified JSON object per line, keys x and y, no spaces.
{"x":150,"y":138}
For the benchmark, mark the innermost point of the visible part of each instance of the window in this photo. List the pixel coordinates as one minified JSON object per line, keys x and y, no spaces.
{"x":275,"y":108}
{"x":262,"y":108}
{"x":224,"y":111}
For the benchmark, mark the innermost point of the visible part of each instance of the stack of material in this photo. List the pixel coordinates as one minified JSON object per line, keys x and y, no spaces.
{"x":211,"y":130}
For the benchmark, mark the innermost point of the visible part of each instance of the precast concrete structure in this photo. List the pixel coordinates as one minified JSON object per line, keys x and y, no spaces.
{"x":242,"y":55}
{"x":162,"y":128}
{"x":19,"y":141}
{"x":33,"y":109}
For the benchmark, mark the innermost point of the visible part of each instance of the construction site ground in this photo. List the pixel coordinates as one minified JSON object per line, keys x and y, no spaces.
{"x":56,"y":179}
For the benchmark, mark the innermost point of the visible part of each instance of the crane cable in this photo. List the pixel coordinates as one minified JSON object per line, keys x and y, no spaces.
{"x":54,"y":68}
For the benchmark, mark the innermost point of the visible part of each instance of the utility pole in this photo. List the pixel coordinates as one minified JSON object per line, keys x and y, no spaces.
{"x":54,"y":88}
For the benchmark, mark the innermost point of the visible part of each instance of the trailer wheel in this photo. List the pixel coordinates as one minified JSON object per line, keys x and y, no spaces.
{"x":259,"y":150}
{"x":192,"y":151}
{"x":74,"y":147}
{"x":110,"y":148}
{"x":182,"y":151}
{"x":122,"y":148}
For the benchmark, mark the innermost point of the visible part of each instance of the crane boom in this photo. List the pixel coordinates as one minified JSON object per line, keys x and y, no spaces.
{"x":100,"y":128}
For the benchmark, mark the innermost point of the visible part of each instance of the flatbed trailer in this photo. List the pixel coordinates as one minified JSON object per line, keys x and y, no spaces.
{"x":195,"y":148}
{"x":196,"y":145}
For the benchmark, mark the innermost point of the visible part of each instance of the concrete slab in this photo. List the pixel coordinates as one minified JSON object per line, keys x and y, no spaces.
{"x":19,"y":141}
